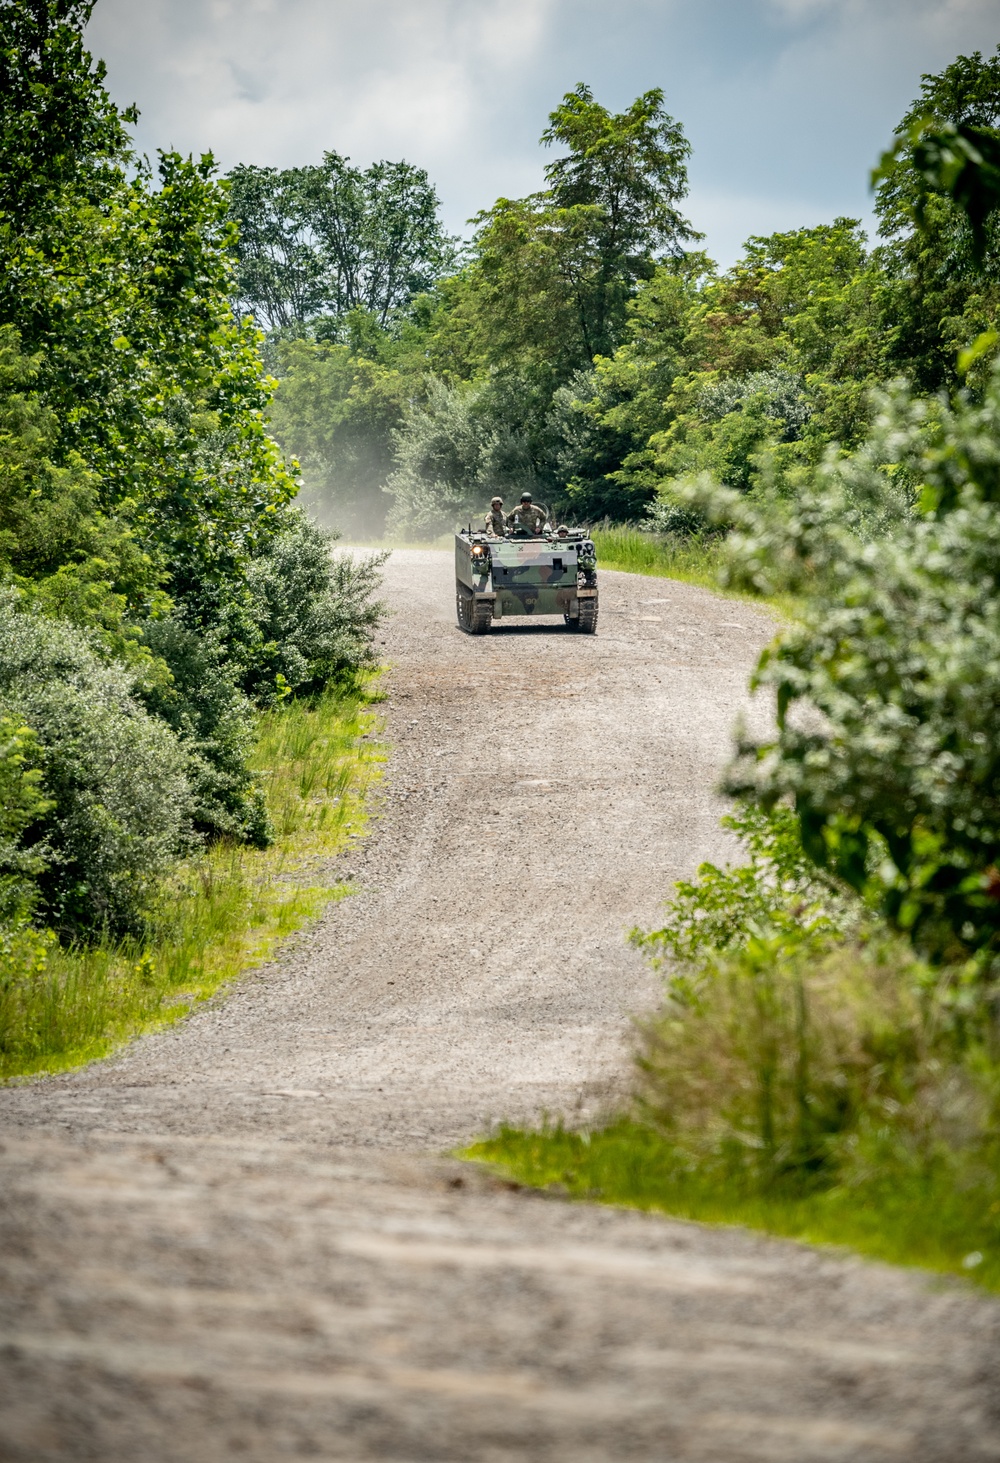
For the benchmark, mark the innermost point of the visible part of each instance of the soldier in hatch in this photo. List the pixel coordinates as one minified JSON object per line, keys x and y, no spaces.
{"x":527,"y":515}
{"x":562,"y":531}
{"x":496,"y":523}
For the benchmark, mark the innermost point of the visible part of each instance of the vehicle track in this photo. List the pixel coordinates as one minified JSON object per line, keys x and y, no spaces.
{"x":238,"y":1237}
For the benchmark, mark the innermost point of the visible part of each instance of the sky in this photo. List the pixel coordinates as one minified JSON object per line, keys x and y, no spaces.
{"x":787,"y":103}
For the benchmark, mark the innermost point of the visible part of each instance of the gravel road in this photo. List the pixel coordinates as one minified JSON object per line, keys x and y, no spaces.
{"x":240,"y":1238}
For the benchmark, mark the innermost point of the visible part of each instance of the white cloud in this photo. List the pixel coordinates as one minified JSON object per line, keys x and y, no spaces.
{"x":269,"y":77}
{"x":787,"y":102}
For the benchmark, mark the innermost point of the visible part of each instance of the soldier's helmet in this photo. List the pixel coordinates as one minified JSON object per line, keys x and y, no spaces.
{"x":495,"y":501}
{"x":562,"y":530}
{"x":525,"y":497}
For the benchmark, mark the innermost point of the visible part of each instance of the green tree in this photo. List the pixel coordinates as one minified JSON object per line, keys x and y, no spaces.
{"x":339,"y":412}
{"x":887,"y":689}
{"x":139,"y":486}
{"x":455,"y":451}
{"x":59,"y":129}
{"x":555,"y":271}
{"x":624,"y":173}
{"x":605,"y":418}
{"x":940,"y":264}
{"x":279,"y":276}
{"x":747,"y":375}
{"x":328,"y":239}
{"x":152,"y":396}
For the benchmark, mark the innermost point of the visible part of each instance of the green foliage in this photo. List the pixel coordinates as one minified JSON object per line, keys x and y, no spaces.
{"x":222,"y":910}
{"x":543,"y":292}
{"x":141,"y":497}
{"x":798,"y":1039}
{"x":57,"y":123}
{"x":779,"y":893}
{"x":784,"y":1054}
{"x":338,"y":412}
{"x":747,"y":376}
{"x":619,"y":184}
{"x":142,"y":392}
{"x":960,"y":162}
{"x":329,"y":239}
{"x":553,"y":272}
{"x":454,"y":453}
{"x":689,"y":558}
{"x":940,"y":266}
{"x":314,"y":610}
{"x":965,"y":95}
{"x":774,"y":1041}
{"x":894,"y":781}
{"x":56,"y":543}
{"x":118,"y":804}
{"x":23,"y":803}
{"x":212,"y":719}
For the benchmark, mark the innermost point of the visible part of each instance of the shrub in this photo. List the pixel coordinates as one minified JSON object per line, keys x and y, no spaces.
{"x":214,"y":721}
{"x":22,"y":803}
{"x":116,"y":776}
{"x":800,"y":1042}
{"x":780,"y":1053}
{"x":888,"y":685}
{"x":778,"y":891}
{"x":315,"y":613}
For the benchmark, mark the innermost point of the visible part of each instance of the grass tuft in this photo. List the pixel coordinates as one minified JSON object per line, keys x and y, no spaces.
{"x":221,"y":913}
{"x":691,"y":560}
{"x":918,"y":1218}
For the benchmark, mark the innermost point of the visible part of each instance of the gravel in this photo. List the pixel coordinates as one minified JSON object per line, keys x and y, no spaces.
{"x":240,"y":1236}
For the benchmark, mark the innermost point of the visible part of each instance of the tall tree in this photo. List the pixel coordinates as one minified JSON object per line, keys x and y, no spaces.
{"x":630,"y":169}
{"x":941,"y":262}
{"x":558,"y":268}
{"x":279,"y":273}
{"x":58,"y":126}
{"x":330,"y":239}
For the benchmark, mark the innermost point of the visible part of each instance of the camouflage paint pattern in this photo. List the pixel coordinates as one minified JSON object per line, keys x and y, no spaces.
{"x":525,"y":576}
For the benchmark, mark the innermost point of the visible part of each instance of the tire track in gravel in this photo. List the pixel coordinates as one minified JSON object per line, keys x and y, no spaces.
{"x":234,"y":1239}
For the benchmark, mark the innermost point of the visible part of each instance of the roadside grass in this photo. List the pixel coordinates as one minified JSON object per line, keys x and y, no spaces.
{"x":916,"y":1218}
{"x":222,"y":912}
{"x":691,"y":560}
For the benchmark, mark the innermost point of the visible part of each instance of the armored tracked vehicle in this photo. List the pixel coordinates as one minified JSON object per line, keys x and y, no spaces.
{"x":525,"y":574}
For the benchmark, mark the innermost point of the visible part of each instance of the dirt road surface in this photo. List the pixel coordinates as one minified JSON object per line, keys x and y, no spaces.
{"x":242,"y":1238}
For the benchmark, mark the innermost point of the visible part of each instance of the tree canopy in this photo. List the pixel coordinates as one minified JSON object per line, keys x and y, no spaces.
{"x":327,"y":239}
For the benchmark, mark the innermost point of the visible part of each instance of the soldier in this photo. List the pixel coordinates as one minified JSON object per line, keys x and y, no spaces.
{"x":496,"y":523}
{"x":527,"y":515}
{"x":562,"y":531}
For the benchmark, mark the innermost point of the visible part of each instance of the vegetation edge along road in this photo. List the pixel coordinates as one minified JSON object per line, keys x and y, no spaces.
{"x":222,"y":912}
{"x":628,"y":1165}
{"x":807,"y":1074}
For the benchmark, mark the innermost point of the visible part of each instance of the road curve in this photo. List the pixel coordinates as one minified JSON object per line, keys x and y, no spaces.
{"x":237,"y":1239}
